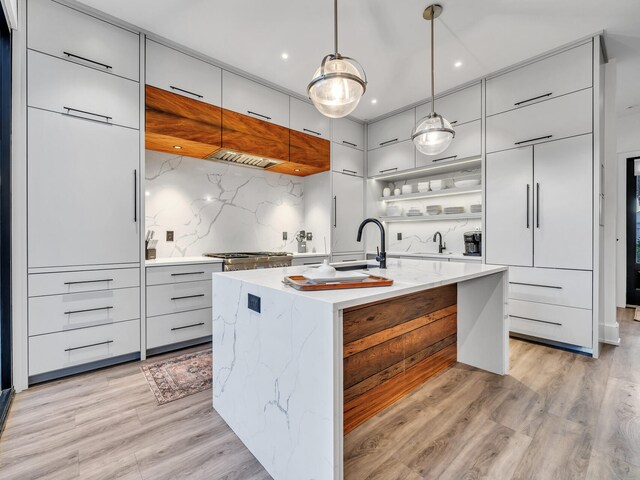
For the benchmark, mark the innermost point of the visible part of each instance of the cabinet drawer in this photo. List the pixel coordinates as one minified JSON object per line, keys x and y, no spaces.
{"x":65,"y":87}
{"x":57,"y":313}
{"x":551,"y":77}
{"x":347,"y":160}
{"x":306,"y":119}
{"x":347,"y":257}
{"x":349,"y":133}
{"x":458,"y":108}
{"x":183,"y":74}
{"x":66,"y":33}
{"x":83,"y":281}
{"x":553,"y":322}
{"x":467,"y":143}
{"x":560,"y":117}
{"x":394,"y":158}
{"x":181,"y":273}
{"x":178,"y":327}
{"x":571,"y":288}
{"x":308,"y":261}
{"x":244,"y":96}
{"x":178,"y":297}
{"x":391,"y":130}
{"x":60,"y":350}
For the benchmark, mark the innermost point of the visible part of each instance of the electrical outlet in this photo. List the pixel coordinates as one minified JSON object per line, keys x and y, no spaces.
{"x":284,"y":235}
{"x":169,"y":235}
{"x":399,"y":236}
{"x":254,"y":303}
{"x":309,"y":236}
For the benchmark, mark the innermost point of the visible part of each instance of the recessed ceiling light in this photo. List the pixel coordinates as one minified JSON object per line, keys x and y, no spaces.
{"x":285,"y":56}
{"x":147,"y":193}
{"x":296,"y":169}
{"x":457,"y":64}
{"x":374,"y":100}
{"x":177,"y":147}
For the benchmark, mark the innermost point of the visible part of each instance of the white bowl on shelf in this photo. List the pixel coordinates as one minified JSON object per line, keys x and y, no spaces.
{"x":468,"y":182}
{"x":407,"y":189}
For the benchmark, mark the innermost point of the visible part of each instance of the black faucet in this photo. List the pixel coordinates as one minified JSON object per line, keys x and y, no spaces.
{"x":382,"y":255}
{"x":441,"y":247}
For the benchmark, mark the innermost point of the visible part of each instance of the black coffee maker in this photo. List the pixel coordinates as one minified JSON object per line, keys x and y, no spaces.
{"x":473,"y":244}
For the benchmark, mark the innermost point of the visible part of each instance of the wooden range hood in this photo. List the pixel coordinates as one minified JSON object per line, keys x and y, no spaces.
{"x":201,"y":130}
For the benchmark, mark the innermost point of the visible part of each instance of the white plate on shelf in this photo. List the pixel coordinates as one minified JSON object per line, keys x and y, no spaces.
{"x":466,"y":183}
{"x":337,"y":277}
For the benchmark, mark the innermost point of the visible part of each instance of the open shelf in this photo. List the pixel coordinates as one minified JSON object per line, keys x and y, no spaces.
{"x":432,"y":194}
{"x":432,"y":218}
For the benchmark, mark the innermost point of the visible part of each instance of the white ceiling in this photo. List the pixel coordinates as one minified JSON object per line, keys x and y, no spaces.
{"x":389,"y":38}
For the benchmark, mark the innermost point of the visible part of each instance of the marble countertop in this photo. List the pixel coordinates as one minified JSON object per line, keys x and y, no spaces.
{"x":161,"y":262}
{"x":457,"y":256}
{"x":409,"y":276}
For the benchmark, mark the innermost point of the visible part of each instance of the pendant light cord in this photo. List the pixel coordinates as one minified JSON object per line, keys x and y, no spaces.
{"x":335,"y":25}
{"x":433,"y":95}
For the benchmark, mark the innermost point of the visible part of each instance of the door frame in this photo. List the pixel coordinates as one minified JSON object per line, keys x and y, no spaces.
{"x":630,"y":216}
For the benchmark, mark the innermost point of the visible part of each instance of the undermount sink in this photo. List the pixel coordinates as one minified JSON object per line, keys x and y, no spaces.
{"x":361,"y":266}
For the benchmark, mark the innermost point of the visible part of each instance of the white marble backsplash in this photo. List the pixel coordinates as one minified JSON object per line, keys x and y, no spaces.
{"x":213,"y":207}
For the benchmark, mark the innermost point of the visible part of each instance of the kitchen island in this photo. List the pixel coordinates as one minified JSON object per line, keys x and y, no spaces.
{"x":294,"y":371}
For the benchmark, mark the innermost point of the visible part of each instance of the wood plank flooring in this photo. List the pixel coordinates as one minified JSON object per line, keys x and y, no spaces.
{"x":557,"y":416}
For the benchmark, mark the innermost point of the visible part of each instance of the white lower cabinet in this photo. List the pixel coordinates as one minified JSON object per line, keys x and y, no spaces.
{"x":347,"y":257}
{"x":296,"y":262}
{"x":73,"y":348}
{"x":553,"y":322}
{"x":348,"y":212}
{"x":178,"y":327}
{"x":178,"y":297}
{"x":570,"y":288}
{"x":82,"y":281}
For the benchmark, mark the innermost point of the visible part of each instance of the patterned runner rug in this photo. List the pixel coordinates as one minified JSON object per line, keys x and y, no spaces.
{"x":178,"y":377}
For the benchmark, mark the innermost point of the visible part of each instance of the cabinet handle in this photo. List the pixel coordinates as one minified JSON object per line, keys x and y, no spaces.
{"x":389,"y":141}
{"x":335,"y":211}
{"x":197,"y":95}
{"x":533,"y":139}
{"x":537,"y":205}
{"x":71,"y":55}
{"x":188,"y":296}
{"x":453,"y":123}
{"x":69,"y":109}
{"x":349,"y":143}
{"x":344,"y":170}
{"x":311,"y":263}
{"x":312,"y":131}
{"x":536,"y":285}
{"x":187,"y":326}
{"x":135,"y":196}
{"x":536,"y":320}
{"x":528,"y":206}
{"x":186,"y":273}
{"x":258,"y":115}
{"x":445,"y":158}
{"x":389,"y":170}
{"x":87,"y":346}
{"x":532,"y":99}
{"x":87,"y":310}
{"x":89,"y":281}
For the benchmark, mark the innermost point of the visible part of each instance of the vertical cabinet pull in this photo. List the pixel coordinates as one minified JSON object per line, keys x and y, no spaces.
{"x":135,"y":196}
{"x":537,"y":205}
{"x":335,"y":211}
{"x":528,"y":206}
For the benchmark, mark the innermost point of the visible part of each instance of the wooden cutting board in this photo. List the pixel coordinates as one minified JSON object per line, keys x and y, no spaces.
{"x":300,"y":282}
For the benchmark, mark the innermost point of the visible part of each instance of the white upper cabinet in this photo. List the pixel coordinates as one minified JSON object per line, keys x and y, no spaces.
{"x":458,"y":107}
{"x":391,"y":130}
{"x":394,"y":158}
{"x":554,"y":76}
{"x":466,"y":144}
{"x":183,"y":74}
{"x":347,"y":132}
{"x":66,"y":33}
{"x":560,"y":117}
{"x":83,"y":192}
{"x":65,"y":87}
{"x":306,"y":119}
{"x":347,"y":160}
{"x":247,"y":97}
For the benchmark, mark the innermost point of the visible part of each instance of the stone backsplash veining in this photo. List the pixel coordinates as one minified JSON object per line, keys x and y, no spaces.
{"x":213,"y":207}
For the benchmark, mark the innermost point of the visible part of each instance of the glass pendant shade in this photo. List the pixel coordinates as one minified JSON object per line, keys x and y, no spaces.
{"x":337,"y":87}
{"x":432,"y":135}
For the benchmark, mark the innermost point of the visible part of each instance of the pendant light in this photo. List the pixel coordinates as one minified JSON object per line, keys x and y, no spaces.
{"x":432,"y":134}
{"x":339,"y":83}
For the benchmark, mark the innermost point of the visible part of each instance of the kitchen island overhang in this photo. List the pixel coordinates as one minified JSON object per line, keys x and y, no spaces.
{"x":279,"y":373}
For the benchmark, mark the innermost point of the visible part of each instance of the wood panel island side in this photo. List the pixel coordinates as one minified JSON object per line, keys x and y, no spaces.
{"x":295,"y":371}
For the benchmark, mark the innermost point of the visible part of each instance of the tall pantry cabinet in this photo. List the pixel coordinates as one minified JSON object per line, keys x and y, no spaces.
{"x":83,"y":161}
{"x":542,"y":176}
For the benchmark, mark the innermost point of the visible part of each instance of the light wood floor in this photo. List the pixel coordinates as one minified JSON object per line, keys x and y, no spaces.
{"x":558,"y":415}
